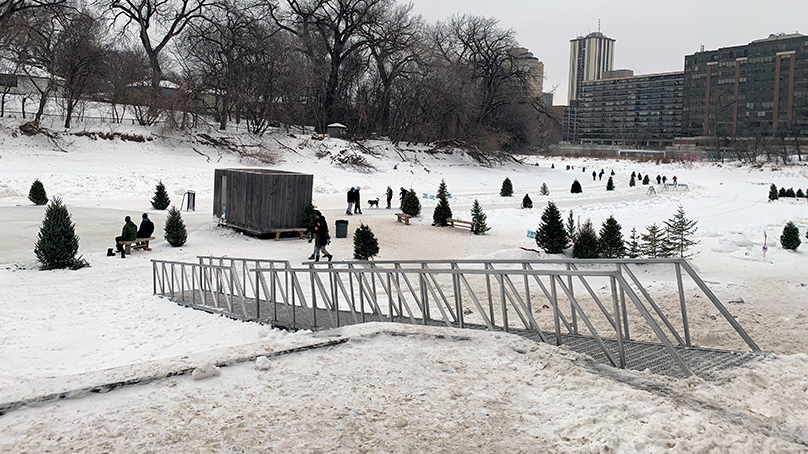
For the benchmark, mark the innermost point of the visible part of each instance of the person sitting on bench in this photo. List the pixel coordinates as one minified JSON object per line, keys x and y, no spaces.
{"x":146,"y":227}
{"x":128,"y":233}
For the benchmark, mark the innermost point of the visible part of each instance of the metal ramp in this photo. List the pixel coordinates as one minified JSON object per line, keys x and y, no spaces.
{"x":597,"y":307}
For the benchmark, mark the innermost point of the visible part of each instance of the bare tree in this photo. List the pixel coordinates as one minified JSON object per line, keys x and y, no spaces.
{"x":8,"y":8}
{"x":122,"y":68}
{"x":157,"y":22}
{"x":79,"y":58}
{"x":334,"y":26}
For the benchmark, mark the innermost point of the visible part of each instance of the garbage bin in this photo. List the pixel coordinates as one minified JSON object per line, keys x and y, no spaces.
{"x":342,"y":228}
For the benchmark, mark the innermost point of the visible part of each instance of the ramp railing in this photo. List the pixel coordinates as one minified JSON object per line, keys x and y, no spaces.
{"x":555,"y":300}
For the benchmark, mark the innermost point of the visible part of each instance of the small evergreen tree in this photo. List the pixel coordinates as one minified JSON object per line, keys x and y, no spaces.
{"x":790,"y":239}
{"x":632,"y":182}
{"x":507,"y":188}
{"x":610,"y":185}
{"x":309,"y":217}
{"x":570,"y":227}
{"x":790,"y":193}
{"x":410,"y":204}
{"x":800,"y":194}
{"x":653,"y":242}
{"x":443,"y":212}
{"x":365,"y":244}
{"x":611,"y":239}
{"x":781,"y":192}
{"x":160,"y":201}
{"x":37,"y":193}
{"x":679,"y":233}
{"x":633,"y":245}
{"x":551,"y":235}
{"x":612,"y":174}
{"x":576,"y":187}
{"x":645,"y":180}
{"x":175,"y":232}
{"x":544,"y":190}
{"x":57,"y":242}
{"x":773,"y":194}
{"x":586,"y":244}
{"x":478,"y":225}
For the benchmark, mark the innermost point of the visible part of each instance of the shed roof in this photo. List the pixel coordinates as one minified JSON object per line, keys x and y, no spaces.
{"x":337,"y":125}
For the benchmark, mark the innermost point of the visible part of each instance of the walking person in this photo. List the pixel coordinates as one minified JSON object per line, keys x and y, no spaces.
{"x":674,"y":180}
{"x":658,"y":179}
{"x":389,"y":196}
{"x":321,"y":238}
{"x":594,"y":175}
{"x":350,"y":201}
{"x":357,"y":205}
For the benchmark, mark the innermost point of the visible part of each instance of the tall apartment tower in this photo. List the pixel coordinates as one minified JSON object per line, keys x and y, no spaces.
{"x":590,"y":56}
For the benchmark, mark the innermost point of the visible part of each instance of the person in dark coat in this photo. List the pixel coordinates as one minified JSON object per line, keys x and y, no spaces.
{"x":526,"y":202}
{"x":402,"y":194}
{"x":350,"y":201}
{"x":146,"y":227}
{"x":664,"y":179}
{"x":321,"y":238}
{"x":658,"y":179}
{"x":357,"y":209}
{"x":128,"y":233}
{"x":594,"y":175}
{"x":389,"y":196}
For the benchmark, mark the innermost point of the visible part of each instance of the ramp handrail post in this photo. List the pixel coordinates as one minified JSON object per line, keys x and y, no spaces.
{"x":572,"y":292}
{"x":623,"y":305}
{"x":490,"y":298}
{"x":615,"y":303}
{"x":527,"y":290}
{"x":458,"y":300}
{"x":312,"y":271}
{"x":554,"y":302}
{"x":503,"y":303}
{"x":258,"y":292}
{"x":682,"y":303}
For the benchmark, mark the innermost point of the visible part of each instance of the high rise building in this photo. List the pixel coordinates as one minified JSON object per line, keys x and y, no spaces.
{"x":532,"y":68}
{"x":624,"y":109}
{"x":757,"y":89}
{"x":590,"y":57}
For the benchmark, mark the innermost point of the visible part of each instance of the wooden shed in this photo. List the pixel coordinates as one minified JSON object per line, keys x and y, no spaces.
{"x":261,"y":201}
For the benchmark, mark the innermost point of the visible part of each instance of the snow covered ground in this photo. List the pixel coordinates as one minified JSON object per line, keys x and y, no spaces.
{"x":388,"y":388}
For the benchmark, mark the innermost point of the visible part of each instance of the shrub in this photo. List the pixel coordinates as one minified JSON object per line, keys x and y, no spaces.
{"x":800,"y":193}
{"x":410,"y":204}
{"x":507,"y":188}
{"x":586,"y":244}
{"x":175,"y":232}
{"x":160,"y":201}
{"x":478,"y":225}
{"x":611,"y":239}
{"x":645,"y":180}
{"x":57,"y":242}
{"x":679,"y":231}
{"x":551,"y":235}
{"x":544,"y":190}
{"x":365,"y":244}
{"x":790,"y":193}
{"x":632,"y":182}
{"x":773,"y":194}
{"x":576,"y":187}
{"x":443,"y":212}
{"x":37,"y":193}
{"x":781,"y":192}
{"x":309,"y":217}
{"x":790,"y":239}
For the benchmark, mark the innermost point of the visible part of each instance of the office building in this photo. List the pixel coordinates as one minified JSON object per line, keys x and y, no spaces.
{"x":757,"y":89}
{"x":590,"y":57}
{"x":631,"y":110}
{"x":532,"y":68}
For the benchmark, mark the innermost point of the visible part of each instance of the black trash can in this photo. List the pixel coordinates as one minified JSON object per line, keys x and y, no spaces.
{"x":342,"y":228}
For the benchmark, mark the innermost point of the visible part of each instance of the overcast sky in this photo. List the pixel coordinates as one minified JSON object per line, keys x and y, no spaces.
{"x":651,"y":36}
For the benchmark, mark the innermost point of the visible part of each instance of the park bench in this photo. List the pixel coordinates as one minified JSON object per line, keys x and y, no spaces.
{"x":300,"y":231}
{"x":459,"y":223}
{"x":405,"y":218}
{"x":140,"y":243}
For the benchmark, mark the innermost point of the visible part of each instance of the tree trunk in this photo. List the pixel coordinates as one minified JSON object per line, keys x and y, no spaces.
{"x":43,"y":100}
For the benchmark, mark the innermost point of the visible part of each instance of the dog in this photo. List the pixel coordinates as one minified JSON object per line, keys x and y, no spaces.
{"x":373,"y":203}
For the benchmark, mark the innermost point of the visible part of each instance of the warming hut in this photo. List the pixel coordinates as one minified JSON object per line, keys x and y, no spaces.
{"x":261,"y":201}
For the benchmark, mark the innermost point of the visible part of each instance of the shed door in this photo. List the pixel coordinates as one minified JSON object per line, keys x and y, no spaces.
{"x":223,"y":196}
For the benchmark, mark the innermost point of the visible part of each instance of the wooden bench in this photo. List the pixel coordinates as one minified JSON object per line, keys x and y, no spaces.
{"x":300,"y":232}
{"x":405,"y":218}
{"x":143,"y":243}
{"x":460,"y":223}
